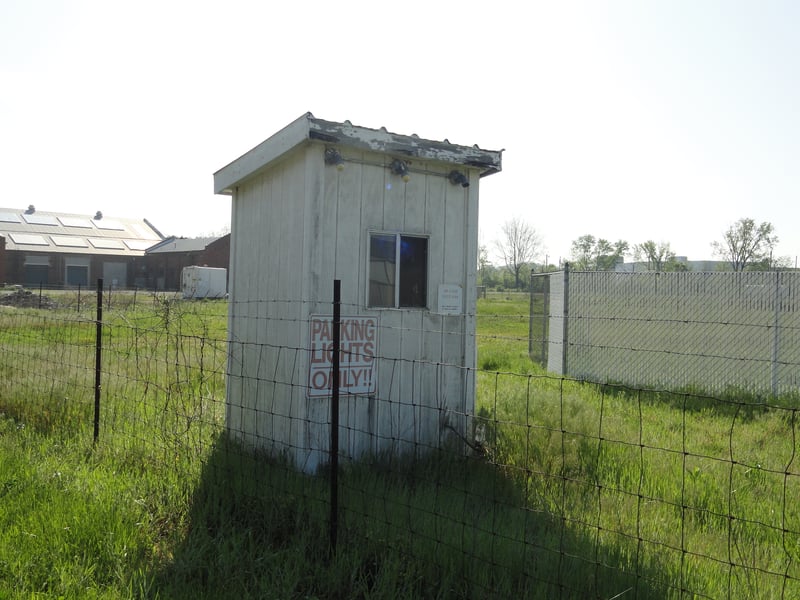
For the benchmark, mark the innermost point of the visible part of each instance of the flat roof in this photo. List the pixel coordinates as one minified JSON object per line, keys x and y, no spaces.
{"x":179,"y":244}
{"x":309,"y":128}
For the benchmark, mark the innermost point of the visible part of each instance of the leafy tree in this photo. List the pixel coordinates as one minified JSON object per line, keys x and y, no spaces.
{"x":611,"y":254}
{"x":657,"y":255}
{"x":745,"y":242}
{"x":519,"y":245}
{"x":597,"y":254}
{"x":582,"y":252}
{"x":674,"y":265}
{"x":771,"y":263}
{"x":483,"y":263}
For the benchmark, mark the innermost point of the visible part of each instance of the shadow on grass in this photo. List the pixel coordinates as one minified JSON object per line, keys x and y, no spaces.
{"x":442,"y":527}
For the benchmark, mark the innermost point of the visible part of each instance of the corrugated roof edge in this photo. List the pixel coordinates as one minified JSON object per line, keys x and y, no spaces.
{"x":308,"y":127}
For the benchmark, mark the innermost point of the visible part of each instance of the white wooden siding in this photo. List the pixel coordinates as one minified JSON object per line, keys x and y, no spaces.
{"x":299,"y":225}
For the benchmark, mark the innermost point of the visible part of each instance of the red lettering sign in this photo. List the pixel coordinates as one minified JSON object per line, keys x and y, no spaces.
{"x":357,"y":347}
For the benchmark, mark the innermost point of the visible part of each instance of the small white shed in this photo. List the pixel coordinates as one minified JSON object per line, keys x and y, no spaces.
{"x":395,"y":218}
{"x":203,"y":282}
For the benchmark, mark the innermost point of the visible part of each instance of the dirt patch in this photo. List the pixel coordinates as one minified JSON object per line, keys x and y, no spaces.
{"x":22,"y":298}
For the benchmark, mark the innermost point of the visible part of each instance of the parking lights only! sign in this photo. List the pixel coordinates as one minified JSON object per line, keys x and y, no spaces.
{"x":358,"y":344}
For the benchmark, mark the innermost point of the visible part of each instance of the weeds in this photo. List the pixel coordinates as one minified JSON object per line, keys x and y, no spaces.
{"x":578,"y":489}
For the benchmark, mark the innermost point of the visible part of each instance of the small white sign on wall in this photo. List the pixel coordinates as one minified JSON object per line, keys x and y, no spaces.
{"x":451,"y":300}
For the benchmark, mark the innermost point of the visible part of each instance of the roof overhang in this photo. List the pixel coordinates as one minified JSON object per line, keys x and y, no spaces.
{"x":308,"y":129}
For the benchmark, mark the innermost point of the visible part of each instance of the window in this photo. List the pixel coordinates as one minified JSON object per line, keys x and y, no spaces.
{"x":398,"y":271}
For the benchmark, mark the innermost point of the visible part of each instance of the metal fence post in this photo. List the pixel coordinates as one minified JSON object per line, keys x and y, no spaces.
{"x":98,"y":351}
{"x":565,"y":335}
{"x":337,"y":319}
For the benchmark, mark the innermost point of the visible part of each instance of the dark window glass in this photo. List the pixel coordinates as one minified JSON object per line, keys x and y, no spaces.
{"x":398,"y":271}
{"x":382,"y":263}
{"x":413,"y":271}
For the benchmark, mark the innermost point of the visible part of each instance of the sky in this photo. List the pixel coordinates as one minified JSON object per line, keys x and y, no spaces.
{"x":635,"y":120}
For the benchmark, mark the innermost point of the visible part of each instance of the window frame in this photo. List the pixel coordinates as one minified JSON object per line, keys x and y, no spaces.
{"x":398,"y":271}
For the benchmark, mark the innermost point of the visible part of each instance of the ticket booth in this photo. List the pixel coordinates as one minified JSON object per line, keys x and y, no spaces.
{"x":395,"y":219}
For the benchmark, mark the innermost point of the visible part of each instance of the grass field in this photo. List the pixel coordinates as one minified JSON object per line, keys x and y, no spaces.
{"x":583,"y":490}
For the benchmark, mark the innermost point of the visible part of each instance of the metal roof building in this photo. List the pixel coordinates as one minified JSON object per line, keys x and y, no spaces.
{"x":181,"y":244}
{"x":66,"y":249}
{"x":166,"y":259}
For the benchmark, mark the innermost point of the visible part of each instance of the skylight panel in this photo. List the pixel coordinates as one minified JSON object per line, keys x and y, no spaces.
{"x":144,"y":232}
{"x":106,"y":244}
{"x":28,"y":239}
{"x":140,"y":244}
{"x":110,"y":224}
{"x":76,"y":222}
{"x":37,"y":219}
{"x":67,"y":241}
{"x":7,"y":217}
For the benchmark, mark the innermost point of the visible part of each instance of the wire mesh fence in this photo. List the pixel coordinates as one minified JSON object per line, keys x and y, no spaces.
{"x":547,"y":487}
{"x":708,"y":331}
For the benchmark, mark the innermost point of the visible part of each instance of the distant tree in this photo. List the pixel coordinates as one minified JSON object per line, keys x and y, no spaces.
{"x":221,"y":232}
{"x":488,"y":274}
{"x":596,"y":254}
{"x":582,"y":253}
{"x":673,"y":265}
{"x":483,"y":262}
{"x":746,"y":242}
{"x":782,"y":263}
{"x":611,"y":254}
{"x":771,"y":263}
{"x":657,"y":255}
{"x":518,"y":245}
{"x":493,"y":276}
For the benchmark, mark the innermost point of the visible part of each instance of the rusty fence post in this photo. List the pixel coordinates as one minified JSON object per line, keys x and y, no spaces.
{"x":98,"y":353}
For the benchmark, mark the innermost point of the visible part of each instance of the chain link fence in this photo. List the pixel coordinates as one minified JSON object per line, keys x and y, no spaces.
{"x":703,"y":331}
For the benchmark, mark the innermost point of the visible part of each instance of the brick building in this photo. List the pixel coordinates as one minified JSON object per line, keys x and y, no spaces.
{"x":165,"y":260}
{"x":56,"y":249}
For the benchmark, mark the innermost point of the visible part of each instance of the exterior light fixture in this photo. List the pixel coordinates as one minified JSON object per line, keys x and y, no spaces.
{"x":399,"y":167}
{"x":458,"y":178}
{"x":334,"y":157}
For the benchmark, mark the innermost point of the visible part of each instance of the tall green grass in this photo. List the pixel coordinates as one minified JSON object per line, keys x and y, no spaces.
{"x":703,"y":487}
{"x":581,"y":490}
